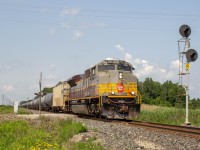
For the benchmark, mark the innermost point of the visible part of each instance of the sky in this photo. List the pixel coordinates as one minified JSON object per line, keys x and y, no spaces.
{"x":64,"y":38}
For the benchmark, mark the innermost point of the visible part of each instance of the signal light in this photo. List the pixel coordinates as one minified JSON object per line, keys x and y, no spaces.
{"x":191,"y":55}
{"x":185,"y":30}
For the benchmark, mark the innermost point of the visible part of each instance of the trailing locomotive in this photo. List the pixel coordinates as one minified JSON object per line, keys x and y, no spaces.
{"x":108,"y":89}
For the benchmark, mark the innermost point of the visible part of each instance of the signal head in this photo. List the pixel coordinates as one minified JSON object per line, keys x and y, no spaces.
{"x":185,"y":30}
{"x":191,"y":55}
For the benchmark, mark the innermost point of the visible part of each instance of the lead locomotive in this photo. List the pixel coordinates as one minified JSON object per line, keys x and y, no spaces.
{"x":108,"y":89}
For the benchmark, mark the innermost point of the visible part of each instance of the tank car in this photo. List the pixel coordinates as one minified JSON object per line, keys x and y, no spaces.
{"x":108,"y":89}
{"x":46,"y":102}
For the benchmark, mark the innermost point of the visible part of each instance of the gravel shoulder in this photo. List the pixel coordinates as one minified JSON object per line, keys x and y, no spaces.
{"x":118,"y":136}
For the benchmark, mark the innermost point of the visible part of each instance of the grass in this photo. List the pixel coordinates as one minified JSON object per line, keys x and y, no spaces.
{"x":23,"y":111}
{"x":89,"y":145}
{"x":40,"y":134}
{"x":10,"y":110}
{"x":37,"y":134}
{"x":168,"y":115}
{"x":6,"y":109}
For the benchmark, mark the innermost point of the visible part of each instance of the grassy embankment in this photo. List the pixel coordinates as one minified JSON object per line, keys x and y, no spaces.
{"x":168,"y":115}
{"x":53,"y":134}
{"x":40,"y":134}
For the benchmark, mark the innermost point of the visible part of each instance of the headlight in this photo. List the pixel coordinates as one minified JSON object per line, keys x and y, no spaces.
{"x":112,"y":92}
{"x":133,"y":93}
{"x":120,"y":75}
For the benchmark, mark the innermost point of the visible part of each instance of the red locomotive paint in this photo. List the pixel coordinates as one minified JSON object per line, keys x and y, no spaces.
{"x":120,"y":87}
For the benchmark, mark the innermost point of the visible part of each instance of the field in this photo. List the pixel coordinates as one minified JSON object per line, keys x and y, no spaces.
{"x":40,"y":134}
{"x":168,"y":115}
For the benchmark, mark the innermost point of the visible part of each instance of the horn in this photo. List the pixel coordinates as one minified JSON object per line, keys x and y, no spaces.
{"x":191,"y":55}
{"x":185,"y":30}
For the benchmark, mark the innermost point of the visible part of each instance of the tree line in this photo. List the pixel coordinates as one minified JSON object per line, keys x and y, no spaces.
{"x":165,"y":94}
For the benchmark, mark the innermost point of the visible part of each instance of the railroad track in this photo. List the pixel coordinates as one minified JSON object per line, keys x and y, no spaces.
{"x":186,"y":131}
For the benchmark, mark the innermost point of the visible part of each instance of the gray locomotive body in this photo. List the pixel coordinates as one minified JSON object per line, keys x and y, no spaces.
{"x":108,"y":89}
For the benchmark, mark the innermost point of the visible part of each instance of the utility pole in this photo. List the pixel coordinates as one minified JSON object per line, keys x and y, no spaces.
{"x":27,"y":102}
{"x":3,"y":99}
{"x":40,"y":94}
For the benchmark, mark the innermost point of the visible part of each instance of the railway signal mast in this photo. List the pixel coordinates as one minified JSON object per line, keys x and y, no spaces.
{"x":191,"y":56}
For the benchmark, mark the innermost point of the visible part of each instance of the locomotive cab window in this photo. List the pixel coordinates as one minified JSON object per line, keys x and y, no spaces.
{"x":93,"y":72}
{"x":124,"y":68}
{"x":106,"y":67}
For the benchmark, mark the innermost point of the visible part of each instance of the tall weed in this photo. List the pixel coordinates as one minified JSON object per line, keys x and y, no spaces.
{"x":169,"y":115}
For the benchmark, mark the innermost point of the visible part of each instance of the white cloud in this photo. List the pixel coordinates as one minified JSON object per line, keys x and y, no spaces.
{"x":67,"y":11}
{"x":8,"y":88}
{"x":162,"y":70}
{"x":119,"y":47}
{"x":77,"y":35}
{"x":174,"y":64}
{"x":144,"y":68}
{"x":128,"y":57}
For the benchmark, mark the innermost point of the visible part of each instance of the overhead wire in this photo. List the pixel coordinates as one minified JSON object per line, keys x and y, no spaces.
{"x":111,"y":14}
{"x":105,"y":11}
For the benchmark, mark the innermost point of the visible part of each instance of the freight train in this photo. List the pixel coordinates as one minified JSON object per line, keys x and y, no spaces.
{"x":108,"y":89}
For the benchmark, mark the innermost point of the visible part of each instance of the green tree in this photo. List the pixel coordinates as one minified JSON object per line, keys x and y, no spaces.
{"x":169,"y":92}
{"x":194,"y":103}
{"x":47,"y":90}
{"x":150,"y":90}
{"x":161,"y":94}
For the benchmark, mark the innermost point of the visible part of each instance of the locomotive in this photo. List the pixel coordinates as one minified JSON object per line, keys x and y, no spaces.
{"x":108,"y":89}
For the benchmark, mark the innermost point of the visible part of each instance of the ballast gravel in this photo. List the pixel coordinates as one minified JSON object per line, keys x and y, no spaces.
{"x":122,"y":137}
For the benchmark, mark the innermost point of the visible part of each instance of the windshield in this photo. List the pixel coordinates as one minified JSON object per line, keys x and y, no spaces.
{"x":125,"y":68}
{"x":106,"y":67}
